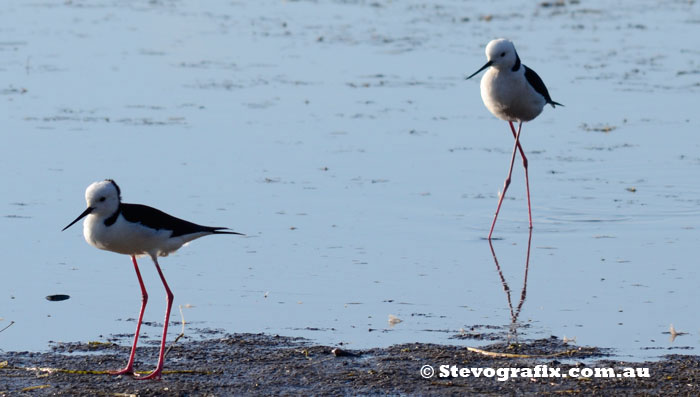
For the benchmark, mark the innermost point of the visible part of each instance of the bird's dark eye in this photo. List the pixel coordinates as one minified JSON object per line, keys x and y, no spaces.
{"x":103,"y":198}
{"x":503,"y":54}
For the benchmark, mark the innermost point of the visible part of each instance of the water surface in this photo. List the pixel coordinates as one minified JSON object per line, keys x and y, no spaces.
{"x":342,"y":138}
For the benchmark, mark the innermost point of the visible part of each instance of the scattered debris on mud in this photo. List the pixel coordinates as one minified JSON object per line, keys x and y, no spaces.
{"x":266,"y":364}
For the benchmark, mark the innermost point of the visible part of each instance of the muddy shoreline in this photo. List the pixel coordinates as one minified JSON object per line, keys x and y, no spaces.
{"x":271,"y":364}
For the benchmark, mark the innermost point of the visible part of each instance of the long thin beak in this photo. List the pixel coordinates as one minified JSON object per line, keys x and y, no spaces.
{"x":482,"y":68}
{"x":85,"y":213}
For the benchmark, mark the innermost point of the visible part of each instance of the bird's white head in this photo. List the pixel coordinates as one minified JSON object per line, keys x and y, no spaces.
{"x":501,"y":55}
{"x":102,"y":199}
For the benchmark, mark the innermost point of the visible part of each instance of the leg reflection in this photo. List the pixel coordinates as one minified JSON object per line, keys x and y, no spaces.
{"x":514,"y":313}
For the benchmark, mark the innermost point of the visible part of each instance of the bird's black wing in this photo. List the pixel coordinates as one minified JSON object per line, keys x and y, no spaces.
{"x":537,"y":83}
{"x":157,"y":219}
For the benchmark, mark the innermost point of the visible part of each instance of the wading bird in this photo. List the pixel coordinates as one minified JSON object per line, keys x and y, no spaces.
{"x":135,"y":229}
{"x":513,"y":92}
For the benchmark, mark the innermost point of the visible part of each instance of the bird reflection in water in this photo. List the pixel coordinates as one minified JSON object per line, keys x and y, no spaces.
{"x":514,"y":312}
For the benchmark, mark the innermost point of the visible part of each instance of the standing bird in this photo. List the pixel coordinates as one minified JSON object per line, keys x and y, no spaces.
{"x":135,"y":229}
{"x":513,"y":92}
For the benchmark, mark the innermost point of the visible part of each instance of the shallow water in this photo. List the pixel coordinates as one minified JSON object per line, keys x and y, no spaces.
{"x":342,"y":138}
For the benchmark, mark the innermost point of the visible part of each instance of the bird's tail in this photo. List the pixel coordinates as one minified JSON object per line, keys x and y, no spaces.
{"x":555,"y":103}
{"x":224,"y":230}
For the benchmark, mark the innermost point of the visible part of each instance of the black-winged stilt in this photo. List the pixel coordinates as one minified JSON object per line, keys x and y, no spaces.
{"x":135,"y":229}
{"x":513,"y":92}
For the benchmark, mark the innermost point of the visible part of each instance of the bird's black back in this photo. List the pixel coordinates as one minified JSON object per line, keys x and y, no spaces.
{"x":539,"y":86}
{"x":157,"y":219}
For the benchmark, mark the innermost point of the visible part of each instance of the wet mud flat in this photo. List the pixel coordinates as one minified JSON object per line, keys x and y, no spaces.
{"x":245,"y":364}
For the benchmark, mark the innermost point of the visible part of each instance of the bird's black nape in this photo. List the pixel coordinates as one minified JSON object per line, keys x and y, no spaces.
{"x":516,"y":66}
{"x":119,"y":191}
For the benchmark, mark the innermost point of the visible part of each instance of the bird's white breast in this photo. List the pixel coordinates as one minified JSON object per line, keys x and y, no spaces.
{"x":509,"y":96}
{"x":129,"y":238}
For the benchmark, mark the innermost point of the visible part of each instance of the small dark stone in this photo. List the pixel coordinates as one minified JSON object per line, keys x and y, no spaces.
{"x":57,"y":298}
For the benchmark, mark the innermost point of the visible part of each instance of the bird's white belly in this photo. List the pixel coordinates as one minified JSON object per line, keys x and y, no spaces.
{"x":510,"y":98}
{"x":128,"y":238}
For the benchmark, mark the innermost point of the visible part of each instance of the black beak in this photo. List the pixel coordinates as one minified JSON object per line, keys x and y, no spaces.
{"x":85,"y":213}
{"x":482,"y":68}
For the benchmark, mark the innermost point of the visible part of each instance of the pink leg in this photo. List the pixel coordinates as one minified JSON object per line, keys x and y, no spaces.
{"x":527,"y":181}
{"x":159,"y":367}
{"x":507,"y":182}
{"x":129,"y":369}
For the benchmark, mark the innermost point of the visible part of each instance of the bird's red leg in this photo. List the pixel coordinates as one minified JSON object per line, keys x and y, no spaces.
{"x":527,"y":181}
{"x":129,"y":369}
{"x":507,"y":182}
{"x":159,"y":367}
